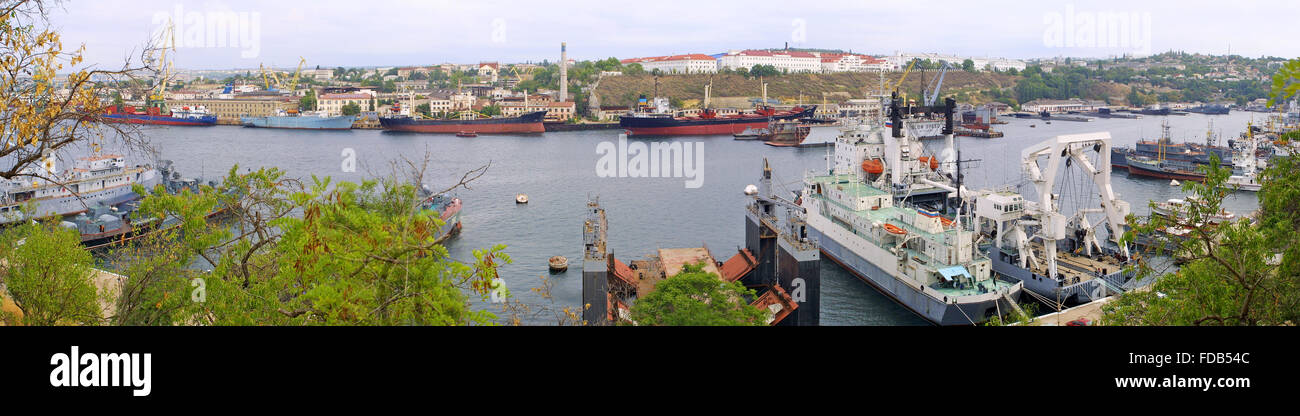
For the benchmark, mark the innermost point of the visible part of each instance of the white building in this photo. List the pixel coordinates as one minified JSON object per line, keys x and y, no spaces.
{"x":834,"y":62}
{"x":677,"y":64}
{"x":781,"y":60}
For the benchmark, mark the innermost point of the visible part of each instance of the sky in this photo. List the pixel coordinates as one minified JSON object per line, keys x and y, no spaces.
{"x":407,"y":32}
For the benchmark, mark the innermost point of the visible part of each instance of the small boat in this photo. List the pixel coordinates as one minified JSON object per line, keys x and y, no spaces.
{"x":1174,"y":182}
{"x":750,"y":133}
{"x":466,"y":134}
{"x":894,"y":229}
{"x":558,"y":264}
{"x":521,"y":198}
{"x":1033,"y":125}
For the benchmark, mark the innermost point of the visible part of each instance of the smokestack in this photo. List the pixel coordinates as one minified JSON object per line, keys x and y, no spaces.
{"x":564,"y":72}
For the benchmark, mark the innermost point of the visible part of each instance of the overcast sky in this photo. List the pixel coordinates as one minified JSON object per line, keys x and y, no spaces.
{"x":384,"y":32}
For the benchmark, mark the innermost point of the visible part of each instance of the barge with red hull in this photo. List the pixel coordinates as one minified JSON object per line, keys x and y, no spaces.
{"x":527,"y":123}
{"x":708,"y":122}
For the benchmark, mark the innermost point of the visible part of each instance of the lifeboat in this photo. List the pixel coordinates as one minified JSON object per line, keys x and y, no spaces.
{"x":873,"y":166}
{"x":893,"y":229}
{"x":934,"y":162}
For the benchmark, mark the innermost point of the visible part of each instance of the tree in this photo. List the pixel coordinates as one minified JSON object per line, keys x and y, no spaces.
{"x":491,"y":110}
{"x":968,"y":65}
{"x":39,"y":119}
{"x":323,"y":253}
{"x":1235,"y":273}
{"x":351,"y":109}
{"x":696,"y":297}
{"x":308,"y":101}
{"x":48,"y":275}
{"x":423,"y":109}
{"x":633,"y":69}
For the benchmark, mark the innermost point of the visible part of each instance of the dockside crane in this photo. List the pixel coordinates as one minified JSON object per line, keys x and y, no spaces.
{"x":933,"y":92}
{"x":293,"y":84}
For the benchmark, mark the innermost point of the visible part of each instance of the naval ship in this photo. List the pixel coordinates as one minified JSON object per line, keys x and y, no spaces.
{"x":865,"y":215}
{"x":95,"y":179}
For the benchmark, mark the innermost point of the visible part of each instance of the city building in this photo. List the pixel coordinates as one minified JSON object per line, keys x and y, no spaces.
{"x":677,"y":64}
{"x":834,"y":62}
{"x":238,"y":107}
{"x":555,"y":111}
{"x":489,"y":70}
{"x":782,"y":60}
{"x":332,"y":104}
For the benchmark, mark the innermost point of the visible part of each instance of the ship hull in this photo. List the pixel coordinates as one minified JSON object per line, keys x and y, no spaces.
{"x":77,"y":204}
{"x":668,"y":126}
{"x":934,"y":310}
{"x":160,"y":120}
{"x":1137,"y":169}
{"x":299,"y":123}
{"x":1078,"y":293}
{"x":525,"y":124}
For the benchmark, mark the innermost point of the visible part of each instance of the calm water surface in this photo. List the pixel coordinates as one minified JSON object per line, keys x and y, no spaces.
{"x":557,"y":171}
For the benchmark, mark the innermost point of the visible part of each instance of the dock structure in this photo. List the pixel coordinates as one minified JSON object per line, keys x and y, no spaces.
{"x":610,"y":286}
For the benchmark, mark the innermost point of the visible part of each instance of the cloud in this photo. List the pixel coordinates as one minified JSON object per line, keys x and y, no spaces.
{"x":380,"y":32}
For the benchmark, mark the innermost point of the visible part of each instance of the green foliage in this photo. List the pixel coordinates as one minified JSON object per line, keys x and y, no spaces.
{"x":1236,"y":273}
{"x":697,"y":298}
{"x":351,"y":109}
{"x":325,"y":254}
{"x":48,"y":275}
{"x":308,"y":101}
{"x":491,"y":110}
{"x":968,"y":65}
{"x":764,"y":71}
{"x":1285,"y":83}
{"x":423,"y":109}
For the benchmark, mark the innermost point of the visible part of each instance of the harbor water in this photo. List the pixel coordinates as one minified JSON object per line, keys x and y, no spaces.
{"x":558,"y":171}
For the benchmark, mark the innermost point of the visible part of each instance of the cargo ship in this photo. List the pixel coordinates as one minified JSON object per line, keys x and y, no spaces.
{"x":153,"y":115}
{"x":707,"y":122}
{"x":285,"y":120}
{"x":527,"y":123}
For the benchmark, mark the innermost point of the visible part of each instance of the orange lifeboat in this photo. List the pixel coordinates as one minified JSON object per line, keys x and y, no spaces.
{"x":873,"y":166}
{"x":934,"y":162}
{"x":893,"y":229}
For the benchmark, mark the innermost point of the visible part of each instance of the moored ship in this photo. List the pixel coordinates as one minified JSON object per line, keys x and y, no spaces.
{"x":862,"y":215}
{"x":153,"y":115}
{"x":284,"y":120}
{"x":527,"y":123}
{"x":104,"y":179}
{"x":707,"y":122}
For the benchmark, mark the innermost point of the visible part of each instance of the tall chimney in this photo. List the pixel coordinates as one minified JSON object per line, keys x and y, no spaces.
{"x":564,"y":73}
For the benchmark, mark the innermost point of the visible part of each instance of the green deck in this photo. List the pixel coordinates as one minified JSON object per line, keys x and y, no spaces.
{"x":890,"y":215}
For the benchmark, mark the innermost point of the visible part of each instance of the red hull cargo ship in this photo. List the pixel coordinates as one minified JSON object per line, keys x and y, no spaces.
{"x":527,"y":123}
{"x":708,"y":122}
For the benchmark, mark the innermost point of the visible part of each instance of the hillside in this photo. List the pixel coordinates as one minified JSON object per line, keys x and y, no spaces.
{"x":967,"y":86}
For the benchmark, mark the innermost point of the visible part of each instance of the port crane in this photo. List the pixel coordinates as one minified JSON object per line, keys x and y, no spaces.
{"x":933,"y":92}
{"x":167,"y":39}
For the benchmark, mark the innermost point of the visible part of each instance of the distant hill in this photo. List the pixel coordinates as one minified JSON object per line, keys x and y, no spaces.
{"x":624,"y":89}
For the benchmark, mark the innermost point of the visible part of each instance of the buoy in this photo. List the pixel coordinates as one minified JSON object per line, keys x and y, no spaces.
{"x":873,"y":166}
{"x":1173,"y":182}
{"x":558,"y":264}
{"x":751,"y":189}
{"x":521,"y":199}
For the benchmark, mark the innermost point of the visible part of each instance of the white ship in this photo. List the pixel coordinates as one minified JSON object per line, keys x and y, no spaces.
{"x":99,"y":179}
{"x":861,"y":213}
{"x":1059,"y":258}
